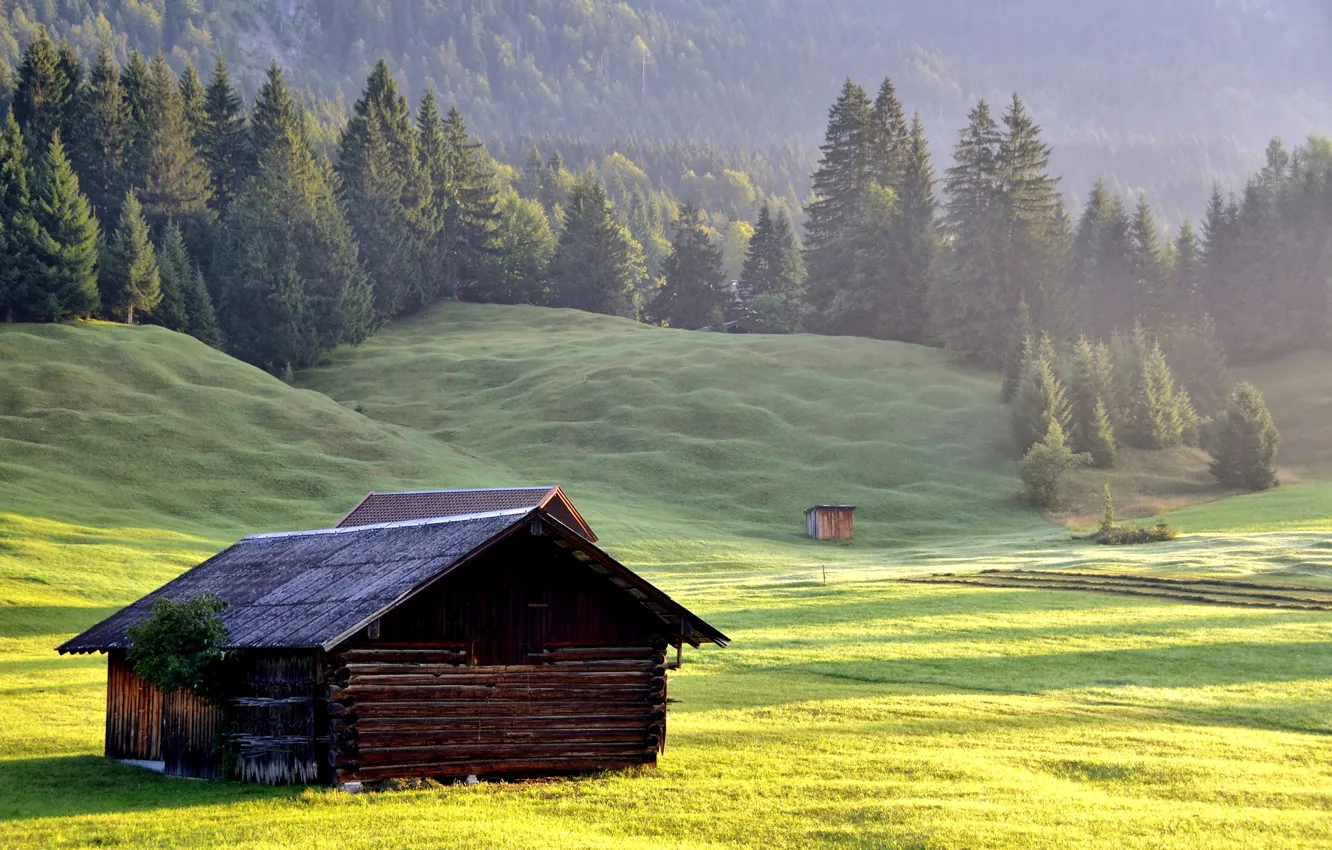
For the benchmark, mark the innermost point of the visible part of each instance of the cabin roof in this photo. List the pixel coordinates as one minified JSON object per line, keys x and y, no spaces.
{"x":314,"y":589}
{"x":830,"y":508}
{"x":377,"y":508}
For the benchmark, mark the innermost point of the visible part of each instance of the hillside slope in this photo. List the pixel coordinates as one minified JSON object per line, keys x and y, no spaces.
{"x":724,"y":432}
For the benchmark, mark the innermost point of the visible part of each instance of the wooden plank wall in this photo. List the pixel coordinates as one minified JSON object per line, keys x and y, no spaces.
{"x":192,"y":733}
{"x":273,"y":726}
{"x":133,"y":713}
{"x":406,"y":712}
{"x":831,"y":524}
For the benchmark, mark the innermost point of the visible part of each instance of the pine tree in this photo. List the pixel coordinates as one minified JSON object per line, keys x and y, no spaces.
{"x":192,"y":101}
{"x":98,"y":150}
{"x":175,"y":273}
{"x":143,"y":116}
{"x":1244,"y":442}
{"x":176,"y":184}
{"x":276,"y":118}
{"x":1153,"y":416}
{"x":1100,"y":266}
{"x":21,"y":294}
{"x":915,"y":238}
{"x":772,"y":280}
{"x":44,"y":95}
{"x":68,"y":238}
{"x":1218,"y":285}
{"x":1021,"y":337}
{"x":965,"y":296}
{"x":433,"y":215}
{"x":838,"y":182}
{"x":888,"y":140}
{"x":593,"y":268}
{"x":130,"y":278}
{"x":524,"y":245}
{"x":533,"y":180}
{"x":1182,"y":296}
{"x":692,"y":294}
{"x":1147,"y":265}
{"x":199,"y":309}
{"x":1043,"y":467}
{"x":470,"y":219}
{"x":223,"y":138}
{"x":1089,"y":383}
{"x":290,"y":283}
{"x":1040,"y":400}
{"x":1101,"y":445}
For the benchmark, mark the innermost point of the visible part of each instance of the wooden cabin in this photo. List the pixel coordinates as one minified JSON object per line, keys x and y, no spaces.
{"x":378,"y":508}
{"x":496,"y":644}
{"x":831,"y":522}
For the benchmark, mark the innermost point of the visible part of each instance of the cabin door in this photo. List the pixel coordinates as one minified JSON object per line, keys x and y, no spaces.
{"x":538,"y":628}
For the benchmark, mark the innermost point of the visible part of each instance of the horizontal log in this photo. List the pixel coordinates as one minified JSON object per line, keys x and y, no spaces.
{"x":596,"y":653}
{"x":469,"y":752}
{"x":391,"y":693}
{"x":503,"y":723}
{"x":381,"y":656}
{"x":460,"y":709}
{"x":530,"y":676}
{"x":569,"y":738}
{"x":499,"y":767}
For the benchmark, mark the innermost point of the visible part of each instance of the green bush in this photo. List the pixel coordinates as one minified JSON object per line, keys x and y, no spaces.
{"x":1243,"y":442}
{"x":179,"y":647}
{"x":1130,"y":535}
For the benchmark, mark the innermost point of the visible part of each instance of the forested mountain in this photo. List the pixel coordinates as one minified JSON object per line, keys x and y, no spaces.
{"x":1160,"y":96}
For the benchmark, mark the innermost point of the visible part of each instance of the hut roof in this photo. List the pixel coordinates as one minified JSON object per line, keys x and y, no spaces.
{"x":378,"y":508}
{"x":310,"y":589}
{"x":830,"y":508}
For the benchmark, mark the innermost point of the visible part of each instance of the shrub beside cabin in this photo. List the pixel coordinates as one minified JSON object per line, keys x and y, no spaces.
{"x":495,"y":643}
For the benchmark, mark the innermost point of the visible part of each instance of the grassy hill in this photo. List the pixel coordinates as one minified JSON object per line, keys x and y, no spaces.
{"x":855,"y":711}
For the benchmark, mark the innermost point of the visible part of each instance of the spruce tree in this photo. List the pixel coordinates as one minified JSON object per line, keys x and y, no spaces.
{"x":130,"y":278}
{"x":68,"y":240}
{"x":1043,"y":467}
{"x":176,"y":185}
{"x":44,"y":94}
{"x":1101,"y":444}
{"x":223,"y":137}
{"x":969,"y":296}
{"x":1220,"y":247}
{"x":916,"y":242}
{"x":1040,"y":399}
{"x":1182,"y":297}
{"x":98,"y":151}
{"x":433,"y":215}
{"x":199,"y":310}
{"x":1244,"y":442}
{"x":865,"y":303}
{"x":291,"y":285}
{"x":524,"y":245}
{"x":694,"y":284}
{"x":888,"y":139}
{"x":175,"y":273}
{"x":1147,"y":265}
{"x":1089,"y":383}
{"x":1100,"y":266}
{"x":143,"y":116}
{"x":470,"y":219}
{"x":772,"y":280}
{"x":192,"y":100}
{"x":21,"y":294}
{"x":593,"y":267}
{"x":1153,"y":416}
{"x":838,"y":182}
{"x":1021,"y":336}
{"x":276,"y":117}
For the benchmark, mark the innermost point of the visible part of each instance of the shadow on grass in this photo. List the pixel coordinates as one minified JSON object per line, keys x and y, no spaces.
{"x":84,"y":785}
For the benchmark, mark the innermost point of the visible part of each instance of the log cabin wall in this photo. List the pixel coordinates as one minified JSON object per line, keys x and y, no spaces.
{"x":133,"y":712}
{"x":523,"y":662}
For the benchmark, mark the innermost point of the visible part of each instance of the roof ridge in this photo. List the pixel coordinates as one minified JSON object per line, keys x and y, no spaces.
{"x":379,"y":525}
{"x":541,"y":488}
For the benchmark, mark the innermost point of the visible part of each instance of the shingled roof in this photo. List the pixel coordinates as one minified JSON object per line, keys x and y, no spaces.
{"x":316,"y":588}
{"x":378,"y":508}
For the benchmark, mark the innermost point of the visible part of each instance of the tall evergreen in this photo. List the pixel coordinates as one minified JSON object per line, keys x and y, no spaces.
{"x":1244,"y":442}
{"x":144,"y":108}
{"x":1020,"y":339}
{"x":276,"y":116}
{"x":865,"y":302}
{"x":223,"y":137}
{"x":44,"y":97}
{"x":524,"y":245}
{"x":1089,"y":384}
{"x":68,"y":239}
{"x":433,"y":214}
{"x":1153,"y":418}
{"x":692,"y":295}
{"x":593,"y":268}
{"x":1147,"y":264}
{"x":192,"y":100}
{"x":838,"y":182}
{"x":1220,"y":254}
{"x":888,"y":139}
{"x":1040,"y":401}
{"x":772,"y":280}
{"x":199,"y":310}
{"x":291,"y":286}
{"x":969,"y":295}
{"x":22,"y":295}
{"x":176,"y":185}
{"x":174,"y":273}
{"x":915,"y":238}
{"x":1180,"y":303}
{"x":130,"y":278}
{"x":1100,"y":268}
{"x":98,"y":150}
{"x":470,"y":219}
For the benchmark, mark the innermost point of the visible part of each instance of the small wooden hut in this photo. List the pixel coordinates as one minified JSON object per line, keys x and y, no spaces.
{"x":494,"y":644}
{"x":831,"y":522}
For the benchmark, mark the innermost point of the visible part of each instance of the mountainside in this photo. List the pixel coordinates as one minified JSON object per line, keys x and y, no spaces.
{"x":1164,"y":97}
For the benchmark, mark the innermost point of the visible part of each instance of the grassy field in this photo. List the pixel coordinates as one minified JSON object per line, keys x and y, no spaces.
{"x":854,"y":711}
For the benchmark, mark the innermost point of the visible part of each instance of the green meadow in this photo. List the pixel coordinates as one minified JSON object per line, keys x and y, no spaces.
{"x":851,"y":710}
